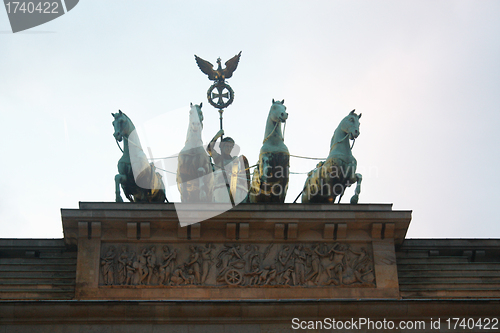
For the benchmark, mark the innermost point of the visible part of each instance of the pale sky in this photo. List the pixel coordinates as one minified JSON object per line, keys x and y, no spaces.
{"x":425,"y":75}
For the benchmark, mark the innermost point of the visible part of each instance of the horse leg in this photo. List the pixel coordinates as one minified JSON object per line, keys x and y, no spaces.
{"x":355,"y":197}
{"x":203,"y":193}
{"x":118,"y":180}
{"x":306,"y":192}
{"x":341,"y":195}
{"x":255,"y":186}
{"x":160,"y":195}
{"x":265,"y":172}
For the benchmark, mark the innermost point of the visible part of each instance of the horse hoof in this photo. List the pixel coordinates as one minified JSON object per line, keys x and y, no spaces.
{"x":354,"y":199}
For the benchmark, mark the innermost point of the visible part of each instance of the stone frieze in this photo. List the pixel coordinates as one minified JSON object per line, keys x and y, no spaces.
{"x":237,"y":265}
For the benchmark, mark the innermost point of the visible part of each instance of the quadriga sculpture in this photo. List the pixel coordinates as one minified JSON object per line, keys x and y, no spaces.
{"x":138,"y":178}
{"x":270,"y":177}
{"x":330,"y":178}
{"x":194,"y":171}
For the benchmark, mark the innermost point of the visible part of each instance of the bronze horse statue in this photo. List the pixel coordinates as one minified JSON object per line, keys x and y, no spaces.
{"x":270,"y":177}
{"x":194,"y":171}
{"x":138,"y":178}
{"x":330,"y":178}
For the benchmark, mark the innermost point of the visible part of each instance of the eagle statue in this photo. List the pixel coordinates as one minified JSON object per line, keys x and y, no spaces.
{"x":218,"y":74}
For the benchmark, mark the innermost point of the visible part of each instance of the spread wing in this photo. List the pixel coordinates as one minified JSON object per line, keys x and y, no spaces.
{"x":206,"y":67}
{"x":231,"y":65}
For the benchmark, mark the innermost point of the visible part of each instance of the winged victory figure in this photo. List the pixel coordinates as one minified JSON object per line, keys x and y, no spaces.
{"x":219,"y":74}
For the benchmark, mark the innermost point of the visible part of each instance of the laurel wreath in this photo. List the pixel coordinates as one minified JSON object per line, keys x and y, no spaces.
{"x":222,"y":86}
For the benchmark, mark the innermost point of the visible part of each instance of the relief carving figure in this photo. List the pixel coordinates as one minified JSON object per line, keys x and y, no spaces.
{"x":130,"y":272}
{"x":167,"y":267}
{"x":284,"y":256}
{"x":299,"y":257}
{"x":287,"y":275}
{"x":254,"y":256}
{"x":107,"y":266}
{"x":362,"y":257}
{"x":348,"y":276}
{"x":253,"y":275}
{"x":245,"y":256}
{"x":338,"y":265}
{"x":143,"y":265}
{"x":178,"y":277}
{"x":135,"y":263}
{"x":190,"y":277}
{"x":351,"y":275}
{"x":207,"y":261}
{"x":316,"y":265}
{"x":268,"y":275}
{"x":122,"y":263}
{"x":365,"y":273}
{"x":362,"y":268}
{"x":193,"y":265}
{"x":151,"y":263}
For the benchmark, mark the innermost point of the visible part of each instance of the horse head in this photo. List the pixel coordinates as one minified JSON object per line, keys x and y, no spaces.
{"x":350,"y":125}
{"x":278,"y":112}
{"x":196,"y":118}
{"x":122,"y":125}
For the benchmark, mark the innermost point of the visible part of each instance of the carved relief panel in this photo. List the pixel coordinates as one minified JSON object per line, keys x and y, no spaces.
{"x":242,"y":264}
